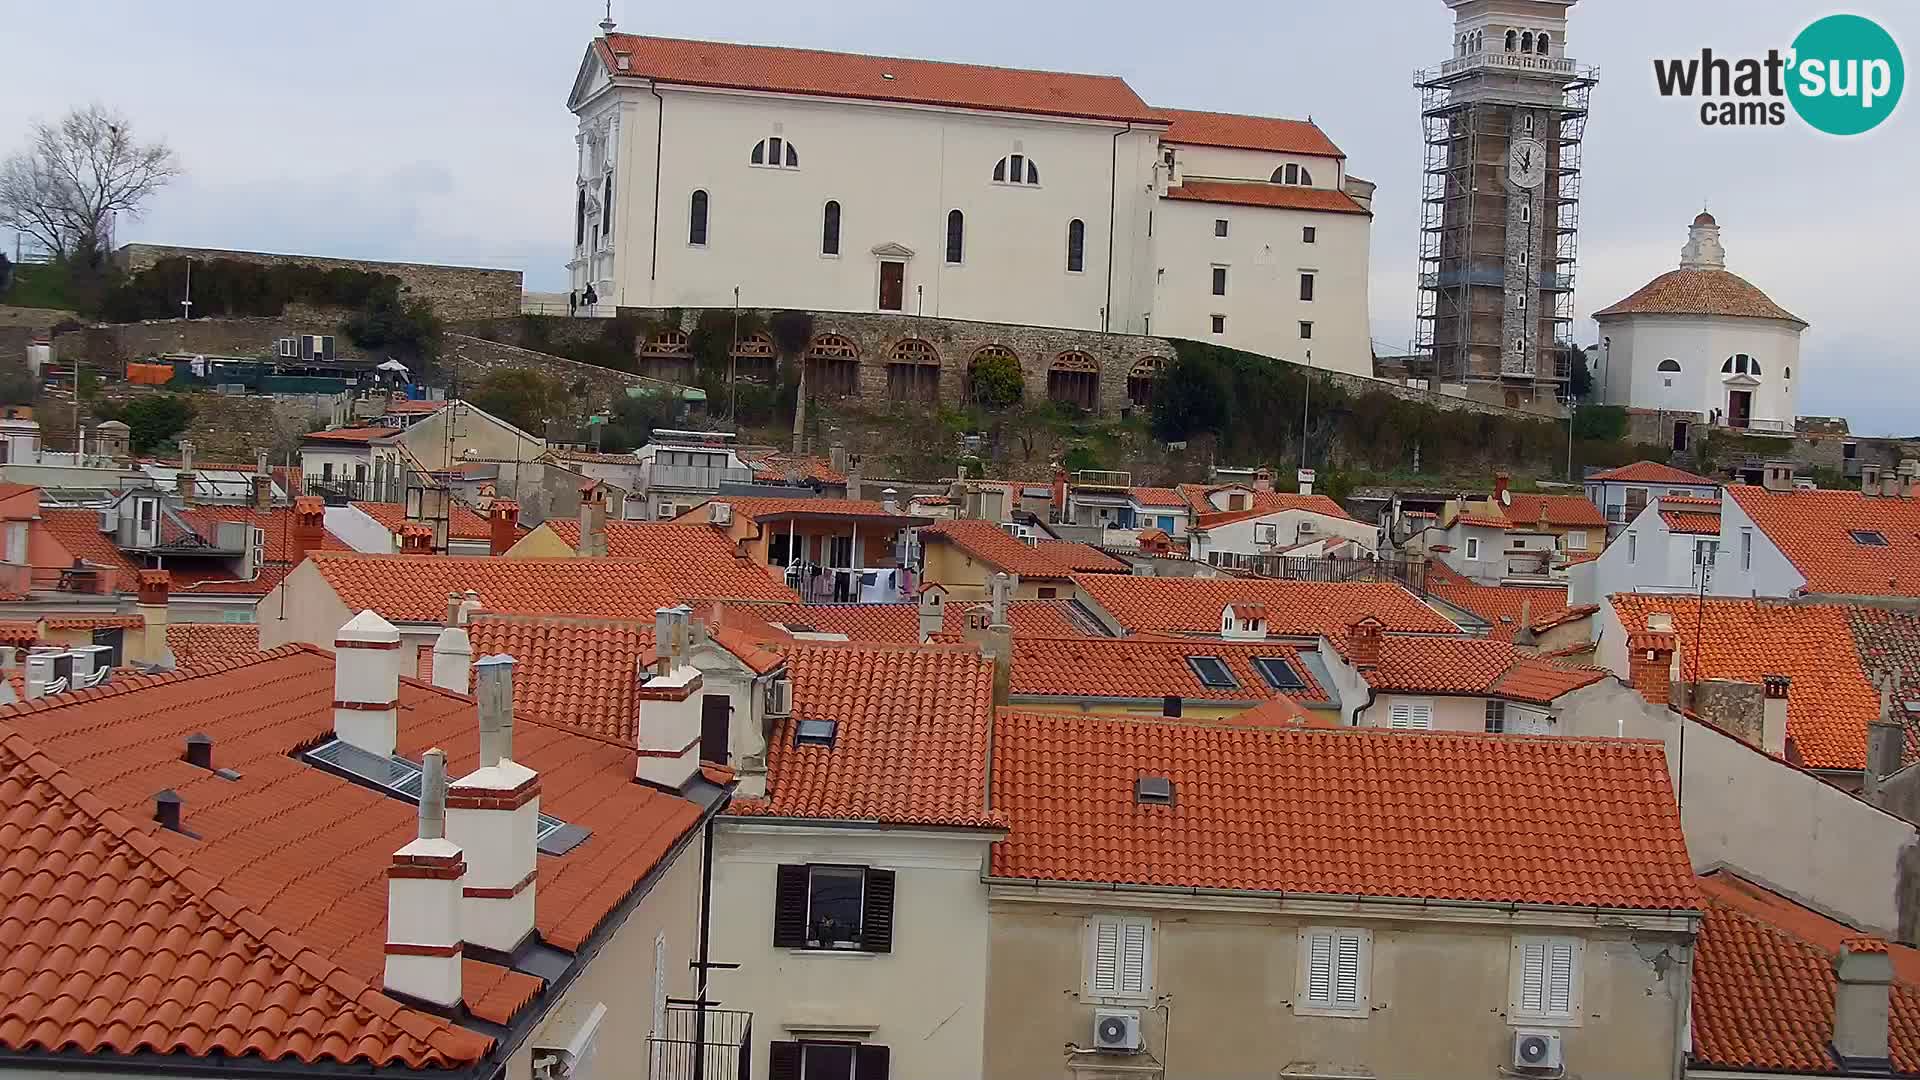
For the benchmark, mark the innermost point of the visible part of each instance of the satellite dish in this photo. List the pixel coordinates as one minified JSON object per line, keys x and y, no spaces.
{"x":1506,"y":498}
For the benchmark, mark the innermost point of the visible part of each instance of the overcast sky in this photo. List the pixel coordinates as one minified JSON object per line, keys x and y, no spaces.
{"x":438,"y":132}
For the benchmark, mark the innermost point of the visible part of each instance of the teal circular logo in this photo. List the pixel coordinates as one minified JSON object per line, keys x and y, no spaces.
{"x":1846,"y":75}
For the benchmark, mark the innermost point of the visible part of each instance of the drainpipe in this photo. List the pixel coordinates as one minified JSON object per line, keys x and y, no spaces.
{"x":659,"y":131}
{"x":1113,"y":199}
{"x":706,"y":918}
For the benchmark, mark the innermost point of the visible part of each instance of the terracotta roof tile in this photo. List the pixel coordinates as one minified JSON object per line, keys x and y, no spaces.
{"x":462,"y":522}
{"x":1831,"y":701}
{"x":1158,"y":496}
{"x":199,"y":644}
{"x":778,"y":468}
{"x":1345,"y":812}
{"x":1813,"y":530}
{"x":1561,"y":510}
{"x":910,"y":746}
{"x":1148,"y":668}
{"x":874,"y":78}
{"x":352,"y":434}
{"x":1295,"y":608}
{"x":19,"y":634}
{"x":760,"y":507}
{"x":1699,"y":292}
{"x":696,"y":560}
{"x":1262,"y":504}
{"x":1690,"y":523}
{"x":1046,"y":560}
{"x":1500,"y":605}
{"x":1472,"y":666}
{"x":1279,"y":711}
{"x":1651,"y":472}
{"x":899,"y":624}
{"x":1258,"y":193}
{"x":1764,"y":984}
{"x":78,"y":531}
{"x":1239,"y":132}
{"x":118,"y":945}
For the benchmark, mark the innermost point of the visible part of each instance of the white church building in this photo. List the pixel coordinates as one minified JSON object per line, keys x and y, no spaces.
{"x":1704,"y":340}
{"x":787,"y":178}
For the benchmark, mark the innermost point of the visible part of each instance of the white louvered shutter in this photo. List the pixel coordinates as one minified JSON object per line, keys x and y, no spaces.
{"x":1533,"y":977}
{"x":1412,"y":715}
{"x":1559,"y":979}
{"x":1106,"y":957}
{"x":1320,"y":969}
{"x":1346,"y":969}
{"x":1402,"y":716}
{"x":1133,"y":958}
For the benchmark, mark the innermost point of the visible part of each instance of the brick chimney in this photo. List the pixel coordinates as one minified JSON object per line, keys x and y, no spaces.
{"x":424,"y":886}
{"x":309,"y":526}
{"x":366,"y":684}
{"x":1263,"y":480}
{"x":1862,"y":999}
{"x":1870,"y":479}
{"x":415,"y":538}
{"x":262,"y":493}
{"x":184,"y":483}
{"x":1363,"y":643}
{"x":1059,"y":494}
{"x":668,"y":704}
{"x":856,"y":487}
{"x":1890,"y":484}
{"x":453,"y":650}
{"x":503,"y":524}
{"x":151,"y":604}
{"x":493,"y":813}
{"x":1502,"y":481}
{"x":1773,"y":714}
{"x":1650,"y":664}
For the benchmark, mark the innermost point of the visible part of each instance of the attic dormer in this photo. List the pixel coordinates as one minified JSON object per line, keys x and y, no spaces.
{"x":1244,"y":621}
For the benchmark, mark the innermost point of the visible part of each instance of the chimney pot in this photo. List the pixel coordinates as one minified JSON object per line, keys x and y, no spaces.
{"x":366,"y":684}
{"x":433,"y":794}
{"x":184,"y":482}
{"x":200,"y":750}
{"x":260,"y":462}
{"x":493,"y":677}
{"x":1650,"y":664}
{"x":166,"y":810}
{"x":493,"y":815}
{"x":425,"y":886}
{"x":1861,"y":1004}
{"x":1363,"y":643}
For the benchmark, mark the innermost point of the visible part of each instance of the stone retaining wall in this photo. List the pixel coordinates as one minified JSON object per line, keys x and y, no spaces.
{"x":456,"y":292}
{"x":469,"y":360}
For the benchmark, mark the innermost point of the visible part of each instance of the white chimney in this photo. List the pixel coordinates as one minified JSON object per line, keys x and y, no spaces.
{"x":1773,"y":714}
{"x":669,"y":737}
{"x":933,"y":613}
{"x":424,"y":887}
{"x":366,"y":684}
{"x":890,"y":500}
{"x":469,"y":604}
{"x":1862,"y":999}
{"x":453,"y":660}
{"x":493,"y":813}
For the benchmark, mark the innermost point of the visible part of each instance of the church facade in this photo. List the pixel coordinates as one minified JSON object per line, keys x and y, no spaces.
{"x":1704,"y":340}
{"x":711,"y":174}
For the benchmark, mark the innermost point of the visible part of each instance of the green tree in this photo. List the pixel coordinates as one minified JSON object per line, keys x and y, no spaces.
{"x":406,"y":330}
{"x":522,"y":397}
{"x":635,"y":417}
{"x":151,"y":421}
{"x":1190,"y":398}
{"x":996,"y":382}
{"x":1580,"y":382}
{"x":17,"y":385}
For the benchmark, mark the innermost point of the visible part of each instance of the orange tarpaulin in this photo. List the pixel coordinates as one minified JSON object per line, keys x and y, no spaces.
{"x":149,"y":374}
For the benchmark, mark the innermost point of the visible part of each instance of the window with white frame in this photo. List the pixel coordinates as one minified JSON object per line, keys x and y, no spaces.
{"x":1411,"y":714}
{"x":1120,"y":957}
{"x":1545,"y":980}
{"x":1473,"y":547}
{"x":1746,"y":549}
{"x":1633,"y":548}
{"x":1334,"y":963}
{"x":1577,"y":540}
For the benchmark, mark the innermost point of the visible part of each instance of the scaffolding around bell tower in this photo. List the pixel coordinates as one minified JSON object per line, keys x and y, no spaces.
{"x":1482,"y":259}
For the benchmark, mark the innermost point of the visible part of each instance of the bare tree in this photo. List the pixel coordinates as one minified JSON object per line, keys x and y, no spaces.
{"x":64,"y":188}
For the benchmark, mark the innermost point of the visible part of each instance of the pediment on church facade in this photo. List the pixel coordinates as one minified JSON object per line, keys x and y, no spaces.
{"x":892,"y":250}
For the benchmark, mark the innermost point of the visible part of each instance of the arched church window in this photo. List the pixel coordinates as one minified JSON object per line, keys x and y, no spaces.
{"x":606,"y":205}
{"x":830,"y":228}
{"x":697,"y":219}
{"x":1016,"y":169}
{"x":1513,"y":40}
{"x":1526,"y":42}
{"x":956,"y":236}
{"x":774,"y":153}
{"x":1540,"y":43}
{"x":1076,"y":245}
{"x":580,"y":217}
{"x":1670,"y":364}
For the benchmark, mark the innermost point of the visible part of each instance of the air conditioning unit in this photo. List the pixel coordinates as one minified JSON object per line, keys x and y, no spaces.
{"x":1117,"y":1030}
{"x":719,"y":513}
{"x":780,"y":697}
{"x":1306,"y":528}
{"x":566,"y":1047}
{"x":1536,"y":1050}
{"x":287,"y":348}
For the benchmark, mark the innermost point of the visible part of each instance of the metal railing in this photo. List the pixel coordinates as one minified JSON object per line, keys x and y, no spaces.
{"x":1759,"y":427}
{"x":1506,"y":61}
{"x":339,"y":491}
{"x":718,"y":1046}
{"x":1406,"y":572}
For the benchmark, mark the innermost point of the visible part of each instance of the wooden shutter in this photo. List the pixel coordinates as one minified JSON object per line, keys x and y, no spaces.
{"x":1320,"y":969}
{"x":1133,"y":957}
{"x":783,"y":1060}
{"x":1402,"y":715}
{"x":1106,"y":957}
{"x":1412,"y":715}
{"x":1346,"y":969}
{"x":1533,"y":977}
{"x":876,"y":920}
{"x":1559,"y":979}
{"x":870,"y":1062}
{"x":790,"y":910}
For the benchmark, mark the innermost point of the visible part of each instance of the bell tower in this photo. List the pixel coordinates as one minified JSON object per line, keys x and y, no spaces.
{"x":1500,"y":202}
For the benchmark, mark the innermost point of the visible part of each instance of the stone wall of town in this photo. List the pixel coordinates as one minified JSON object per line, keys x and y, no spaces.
{"x":456,"y":292}
{"x":112,"y":345}
{"x":467,"y":361}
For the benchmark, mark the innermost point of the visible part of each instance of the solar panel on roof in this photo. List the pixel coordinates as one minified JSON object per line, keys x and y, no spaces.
{"x":1212,"y":672}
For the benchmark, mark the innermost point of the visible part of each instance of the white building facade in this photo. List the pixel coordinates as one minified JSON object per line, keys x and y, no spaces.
{"x":712,"y":173}
{"x":1703,"y":340}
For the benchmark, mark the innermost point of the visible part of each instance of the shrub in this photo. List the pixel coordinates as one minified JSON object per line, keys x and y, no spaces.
{"x":151,"y":421}
{"x":996,"y":382}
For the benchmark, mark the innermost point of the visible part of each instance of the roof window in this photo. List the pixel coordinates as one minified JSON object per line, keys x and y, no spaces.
{"x":1153,"y":791}
{"x":814,"y":732}
{"x":399,"y":778}
{"x":1212,"y":672}
{"x":1868,"y":537}
{"x":1278,"y":673}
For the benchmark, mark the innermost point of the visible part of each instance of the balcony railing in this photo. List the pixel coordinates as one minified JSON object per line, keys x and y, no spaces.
{"x":715,"y":1046}
{"x":1505,"y":61}
{"x":696,"y":477}
{"x":1759,"y":427}
{"x":1406,"y":572}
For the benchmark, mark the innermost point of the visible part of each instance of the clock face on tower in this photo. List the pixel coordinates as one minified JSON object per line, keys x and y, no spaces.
{"x":1527,"y":163}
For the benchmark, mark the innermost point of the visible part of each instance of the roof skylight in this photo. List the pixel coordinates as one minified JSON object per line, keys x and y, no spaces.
{"x":1278,"y":673}
{"x":1213,"y":672}
{"x":400,"y":778}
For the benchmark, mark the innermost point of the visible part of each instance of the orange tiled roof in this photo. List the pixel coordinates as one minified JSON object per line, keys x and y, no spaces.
{"x":1812,"y":529}
{"x":1831,"y":702}
{"x":1158,"y":496}
{"x":697,"y":561}
{"x":19,"y":634}
{"x":1764,"y":984}
{"x":1485,"y":519}
{"x":875,"y":78}
{"x":1147,"y":668}
{"x":1500,"y":605}
{"x":1048,"y":560}
{"x":1295,"y":608}
{"x":199,"y":644}
{"x":910,"y":746}
{"x":1279,"y":711}
{"x":78,"y":532}
{"x":1651,"y":472}
{"x":778,"y":468}
{"x":899,"y":624}
{"x":352,"y":434}
{"x":760,"y":507}
{"x":96,"y":622}
{"x":117,"y":944}
{"x":1571,"y":511}
{"x":1259,"y":193}
{"x":462,"y":522}
{"x":1472,"y":666}
{"x":1348,"y":812}
{"x":1239,"y":132}
{"x":1262,"y":504}
{"x":1700,"y":292}
{"x":275,"y":525}
{"x":1690,"y":522}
